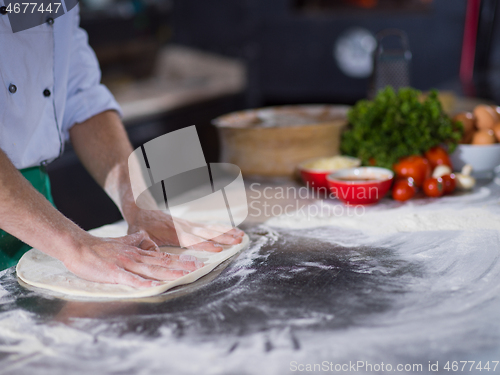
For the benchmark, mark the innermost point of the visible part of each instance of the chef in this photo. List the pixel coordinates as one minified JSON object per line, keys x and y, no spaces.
{"x":50,"y":92}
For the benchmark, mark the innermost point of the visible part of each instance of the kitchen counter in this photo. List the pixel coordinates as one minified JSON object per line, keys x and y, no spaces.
{"x":325,"y":295}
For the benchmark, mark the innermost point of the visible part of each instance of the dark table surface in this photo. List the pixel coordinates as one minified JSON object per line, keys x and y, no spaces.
{"x":324,"y":296}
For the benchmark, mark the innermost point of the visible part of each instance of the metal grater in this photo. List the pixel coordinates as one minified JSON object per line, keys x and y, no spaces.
{"x":391,"y":67}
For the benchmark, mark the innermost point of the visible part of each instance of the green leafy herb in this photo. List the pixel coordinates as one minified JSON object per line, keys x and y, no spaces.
{"x":395,"y":125}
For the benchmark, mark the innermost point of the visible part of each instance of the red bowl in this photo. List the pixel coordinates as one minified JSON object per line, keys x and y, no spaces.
{"x":316,"y":178}
{"x":363,"y":185}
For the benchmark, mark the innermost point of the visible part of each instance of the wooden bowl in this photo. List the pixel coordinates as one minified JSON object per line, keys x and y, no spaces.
{"x":273,"y":141}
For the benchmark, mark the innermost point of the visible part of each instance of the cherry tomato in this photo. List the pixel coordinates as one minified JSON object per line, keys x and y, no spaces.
{"x":433,"y":187}
{"x":449,"y":183}
{"x":438,"y":156}
{"x":416,"y":167}
{"x":403,"y":190}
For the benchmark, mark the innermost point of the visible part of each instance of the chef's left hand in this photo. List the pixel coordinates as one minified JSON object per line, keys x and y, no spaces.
{"x":160,"y":228}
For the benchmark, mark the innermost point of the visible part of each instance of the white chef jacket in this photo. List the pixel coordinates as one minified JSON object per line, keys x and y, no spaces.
{"x":56,"y":79}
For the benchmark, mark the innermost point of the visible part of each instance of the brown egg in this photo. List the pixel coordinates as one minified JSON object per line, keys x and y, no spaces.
{"x":484,"y":137}
{"x":496,"y":130}
{"x":467,"y":119}
{"x":485,"y":116}
{"x":496,"y":109}
{"x":467,"y":138}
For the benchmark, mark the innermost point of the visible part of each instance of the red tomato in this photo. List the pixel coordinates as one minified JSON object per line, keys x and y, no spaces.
{"x":403,"y":190}
{"x":438,"y":156}
{"x":416,"y":167}
{"x":433,"y":187}
{"x":449,"y":183}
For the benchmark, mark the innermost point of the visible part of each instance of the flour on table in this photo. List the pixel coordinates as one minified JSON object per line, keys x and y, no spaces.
{"x":389,"y":221}
{"x":42,"y":271}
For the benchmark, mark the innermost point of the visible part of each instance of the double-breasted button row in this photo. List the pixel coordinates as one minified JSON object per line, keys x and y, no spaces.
{"x":3,"y":11}
{"x":13,"y":90}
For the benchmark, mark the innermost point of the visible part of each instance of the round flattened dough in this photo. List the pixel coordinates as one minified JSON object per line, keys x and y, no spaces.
{"x":40,"y":270}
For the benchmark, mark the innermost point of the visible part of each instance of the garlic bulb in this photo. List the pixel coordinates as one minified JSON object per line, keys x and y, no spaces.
{"x":464,"y":180}
{"x":441,"y":170}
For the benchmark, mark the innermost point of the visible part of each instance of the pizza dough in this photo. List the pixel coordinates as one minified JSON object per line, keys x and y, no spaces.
{"x":42,"y":271}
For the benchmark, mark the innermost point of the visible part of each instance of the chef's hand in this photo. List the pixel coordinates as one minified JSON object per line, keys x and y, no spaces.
{"x":132,"y":260}
{"x":160,"y":228}
{"x":102,"y":145}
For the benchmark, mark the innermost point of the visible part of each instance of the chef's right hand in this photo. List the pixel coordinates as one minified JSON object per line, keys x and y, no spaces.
{"x":132,"y":260}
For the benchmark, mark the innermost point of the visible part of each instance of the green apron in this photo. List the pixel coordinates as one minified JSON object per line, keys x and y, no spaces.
{"x":12,"y":249}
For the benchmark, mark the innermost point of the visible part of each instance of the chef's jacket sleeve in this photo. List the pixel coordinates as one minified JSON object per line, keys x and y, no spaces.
{"x":86,"y":96}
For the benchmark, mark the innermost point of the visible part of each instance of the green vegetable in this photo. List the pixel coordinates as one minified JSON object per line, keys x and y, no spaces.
{"x":393,"y":126}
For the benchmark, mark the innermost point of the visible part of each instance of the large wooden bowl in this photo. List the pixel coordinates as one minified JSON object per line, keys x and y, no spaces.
{"x":273,"y":141}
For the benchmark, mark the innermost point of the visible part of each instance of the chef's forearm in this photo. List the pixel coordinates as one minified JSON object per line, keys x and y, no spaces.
{"x":103,"y":147}
{"x":27,"y":215}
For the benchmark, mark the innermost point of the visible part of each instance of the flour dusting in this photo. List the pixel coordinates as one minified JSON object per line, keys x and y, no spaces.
{"x":404,"y":219}
{"x":405,"y":283}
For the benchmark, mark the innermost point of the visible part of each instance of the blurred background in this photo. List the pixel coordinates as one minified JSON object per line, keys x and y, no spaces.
{"x":175,"y":63}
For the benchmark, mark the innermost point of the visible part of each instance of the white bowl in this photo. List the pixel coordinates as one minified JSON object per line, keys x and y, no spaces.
{"x":483,"y":158}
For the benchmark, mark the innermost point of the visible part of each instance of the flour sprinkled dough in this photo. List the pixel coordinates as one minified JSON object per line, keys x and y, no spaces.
{"x":42,"y":271}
